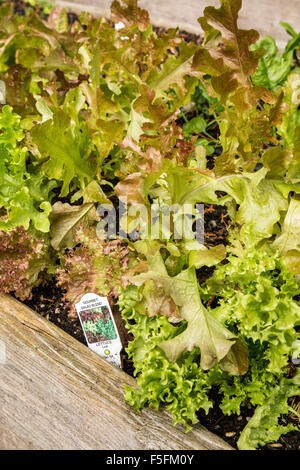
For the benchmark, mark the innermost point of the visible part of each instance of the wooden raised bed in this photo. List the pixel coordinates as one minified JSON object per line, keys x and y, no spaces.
{"x":55,"y":393}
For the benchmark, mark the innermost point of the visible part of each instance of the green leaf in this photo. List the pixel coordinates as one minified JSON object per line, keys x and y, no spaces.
{"x":289,"y":29}
{"x":197,"y":125}
{"x":25,"y":197}
{"x":64,"y":219}
{"x":182,"y":386}
{"x":207,"y":256}
{"x":135,"y":128}
{"x":59,"y":19}
{"x":277,"y":161}
{"x":263,"y":427}
{"x":173,"y":71}
{"x":289,"y":238}
{"x":231,"y":65}
{"x":255,"y":293}
{"x":295,"y":41}
{"x":260,"y":200}
{"x":288,"y":243}
{"x":272,"y":69}
{"x":290,"y":126}
{"x":64,"y":151}
{"x":203,"y":330}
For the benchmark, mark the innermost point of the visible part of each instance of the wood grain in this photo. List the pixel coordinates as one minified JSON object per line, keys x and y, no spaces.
{"x":263,"y":15}
{"x":57,"y":394}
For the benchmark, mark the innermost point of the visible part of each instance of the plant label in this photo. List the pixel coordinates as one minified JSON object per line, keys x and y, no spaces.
{"x":99,"y":327}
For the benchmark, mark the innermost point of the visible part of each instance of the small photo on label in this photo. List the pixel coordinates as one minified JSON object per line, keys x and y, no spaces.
{"x":98,"y":325}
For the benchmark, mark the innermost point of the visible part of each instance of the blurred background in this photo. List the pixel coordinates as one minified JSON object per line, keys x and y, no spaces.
{"x":263,"y":15}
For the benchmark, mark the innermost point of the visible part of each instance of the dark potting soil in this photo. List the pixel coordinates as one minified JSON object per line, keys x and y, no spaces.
{"x":48,"y":300}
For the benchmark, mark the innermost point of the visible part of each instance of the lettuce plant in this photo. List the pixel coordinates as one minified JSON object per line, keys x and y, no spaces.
{"x":92,"y":266}
{"x":95,"y":113}
{"x":24,"y":258}
{"x":264,"y":427}
{"x":255,"y":293}
{"x":256,"y":288}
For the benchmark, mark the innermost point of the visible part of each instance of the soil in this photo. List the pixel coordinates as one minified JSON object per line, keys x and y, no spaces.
{"x":48,"y":301}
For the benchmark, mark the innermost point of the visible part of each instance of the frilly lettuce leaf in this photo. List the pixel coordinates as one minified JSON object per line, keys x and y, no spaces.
{"x":263,"y":427}
{"x":173,"y":71}
{"x":130,"y":14}
{"x":25,"y":259}
{"x":261,"y":200}
{"x":216,"y":343}
{"x":289,"y":129}
{"x":181,"y":386}
{"x":65,"y":153}
{"x":64,"y":221}
{"x":227,"y":57}
{"x":289,"y":238}
{"x":24,"y":196}
{"x":273,"y":69}
{"x":232,"y":64}
{"x":256,"y":293}
{"x":204,"y":256}
{"x":288,"y":243}
{"x":277,"y":160}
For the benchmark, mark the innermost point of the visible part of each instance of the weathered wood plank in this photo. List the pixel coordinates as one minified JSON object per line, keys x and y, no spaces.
{"x":57,"y":394}
{"x":261,"y":15}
